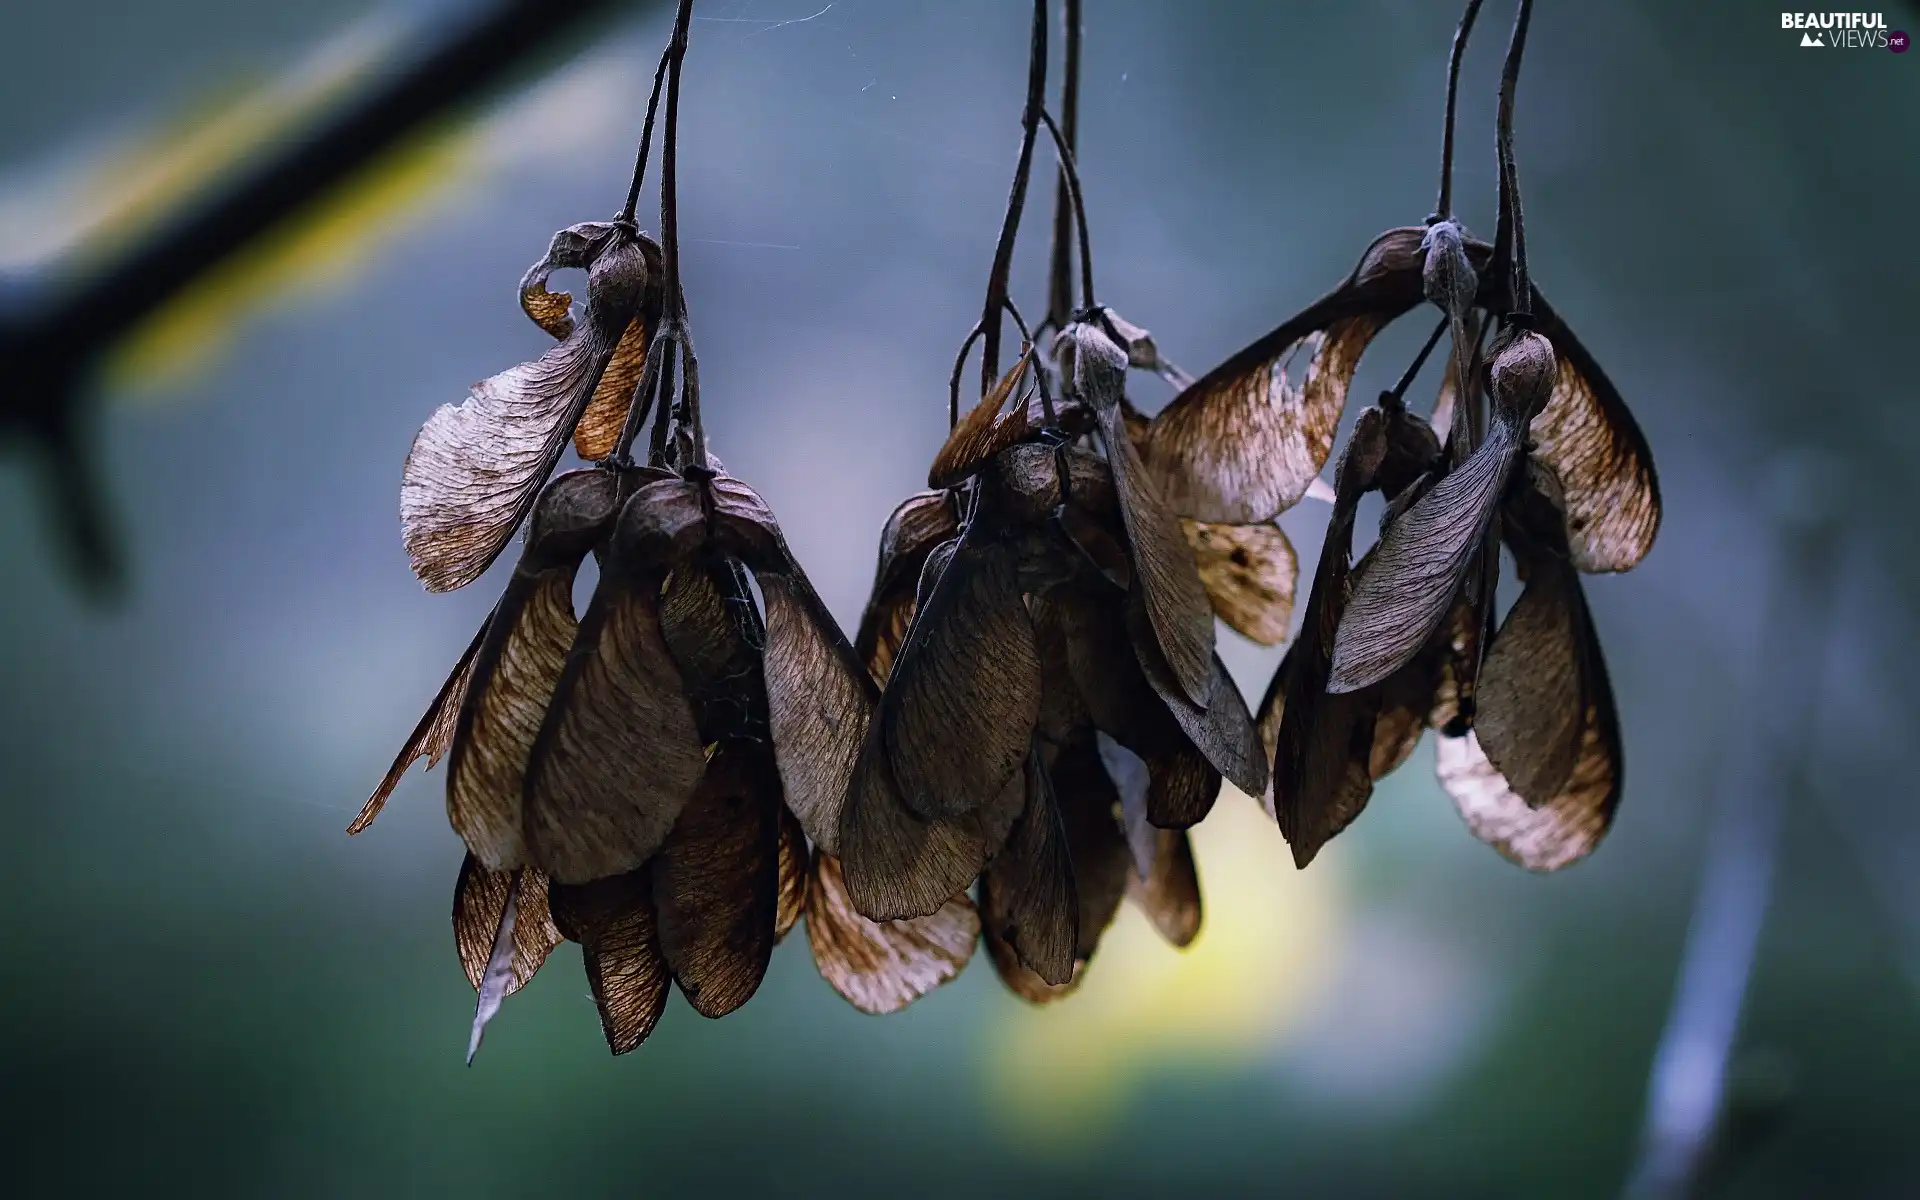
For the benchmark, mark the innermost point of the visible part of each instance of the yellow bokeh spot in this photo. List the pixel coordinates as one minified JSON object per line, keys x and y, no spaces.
{"x":323,"y":245}
{"x":1058,"y":1075}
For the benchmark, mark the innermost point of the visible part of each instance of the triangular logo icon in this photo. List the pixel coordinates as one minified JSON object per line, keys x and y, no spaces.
{"x":1808,"y":39}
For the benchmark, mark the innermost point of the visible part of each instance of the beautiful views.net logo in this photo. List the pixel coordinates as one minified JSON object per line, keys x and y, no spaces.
{"x":1845,"y":30}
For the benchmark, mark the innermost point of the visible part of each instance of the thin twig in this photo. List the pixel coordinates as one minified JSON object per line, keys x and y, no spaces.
{"x":1443,"y":209}
{"x":1060,"y":264}
{"x":1510,"y":239}
{"x":1071,"y":174}
{"x":646,"y":138}
{"x":998,"y":278}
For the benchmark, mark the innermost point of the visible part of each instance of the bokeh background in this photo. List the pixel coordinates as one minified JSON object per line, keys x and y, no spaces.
{"x":207,"y":988}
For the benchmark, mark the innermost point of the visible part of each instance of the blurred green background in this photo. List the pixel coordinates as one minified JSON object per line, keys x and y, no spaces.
{"x":207,"y":988}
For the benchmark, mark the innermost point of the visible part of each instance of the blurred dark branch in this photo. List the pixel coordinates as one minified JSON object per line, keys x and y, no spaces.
{"x":1687,"y":1092}
{"x":51,"y":340}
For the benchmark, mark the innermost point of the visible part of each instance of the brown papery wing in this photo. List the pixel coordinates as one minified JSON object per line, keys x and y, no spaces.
{"x":479,"y":900}
{"x":1415,"y":571}
{"x":597,"y":434}
{"x":1170,"y":895}
{"x":982,"y":433}
{"x":1406,"y":699}
{"x":716,"y":881}
{"x":964,"y":695}
{"x":1567,"y":827}
{"x":618,"y":756}
{"x":1530,"y":711}
{"x":793,"y":875}
{"x":920,"y":522}
{"x":613,"y":920}
{"x":1222,"y":730}
{"x":430,"y":739}
{"x":899,"y":866}
{"x":820,"y":701}
{"x":1249,"y":573}
{"x":475,"y":469}
{"x":515,"y":672}
{"x":883,"y":966}
{"x":1324,"y":741}
{"x":1588,"y":438}
{"x":1243,"y":444}
{"x":712,"y":630}
{"x":513,"y":675}
{"x":1090,"y":805}
{"x":1164,"y":573}
{"x":1027,"y":896}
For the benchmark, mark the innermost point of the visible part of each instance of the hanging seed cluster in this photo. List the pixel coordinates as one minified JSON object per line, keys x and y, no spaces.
{"x":1032,"y":713}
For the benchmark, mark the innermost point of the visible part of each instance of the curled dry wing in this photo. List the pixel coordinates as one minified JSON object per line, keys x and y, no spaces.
{"x":430,"y":739}
{"x":613,"y":920}
{"x":883,"y":966}
{"x":1249,"y":572}
{"x":475,"y":468}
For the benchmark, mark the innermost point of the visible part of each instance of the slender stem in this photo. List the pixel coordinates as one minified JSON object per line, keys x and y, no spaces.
{"x":997,"y":280}
{"x":663,"y":418}
{"x":1443,"y":209}
{"x":1398,"y":395}
{"x":676,"y":305}
{"x":1071,"y":174}
{"x":646,"y":140}
{"x":1510,"y":241}
{"x":1060,"y":269}
{"x":960,"y":361}
{"x":644,"y":392}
